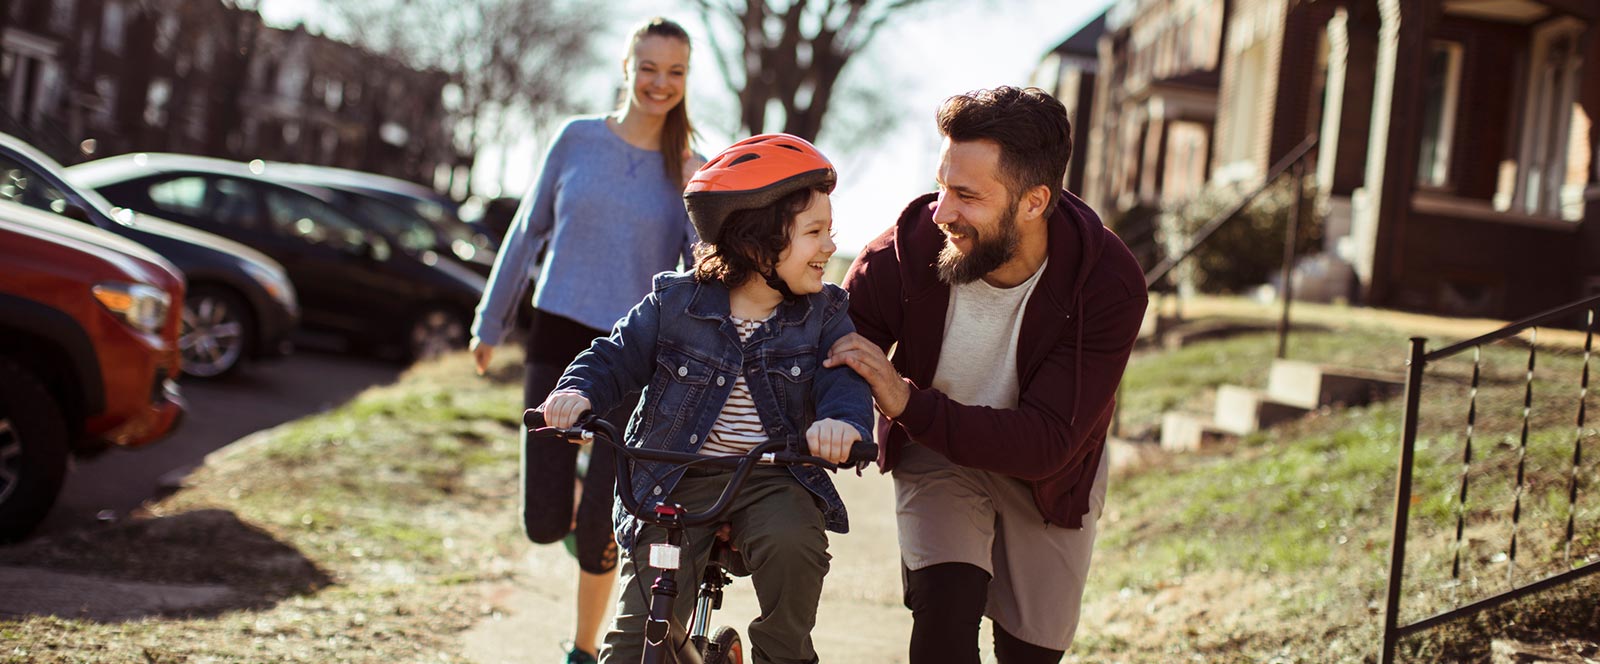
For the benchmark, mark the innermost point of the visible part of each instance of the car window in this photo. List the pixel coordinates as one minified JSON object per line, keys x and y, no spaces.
{"x":184,"y":195}
{"x":297,"y":215}
{"x":411,"y":231}
{"x":233,"y":203}
{"x":21,"y":184}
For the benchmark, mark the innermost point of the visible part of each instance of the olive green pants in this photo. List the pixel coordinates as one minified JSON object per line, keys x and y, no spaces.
{"x":777,"y":526}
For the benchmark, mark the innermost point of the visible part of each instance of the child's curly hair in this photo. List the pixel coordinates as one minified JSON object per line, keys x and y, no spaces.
{"x":751,"y":241}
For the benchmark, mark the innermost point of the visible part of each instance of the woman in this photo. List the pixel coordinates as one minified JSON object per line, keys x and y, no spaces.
{"x":608,"y":210}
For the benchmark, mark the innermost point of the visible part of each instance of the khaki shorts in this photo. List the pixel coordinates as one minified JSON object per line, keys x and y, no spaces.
{"x":952,"y":514}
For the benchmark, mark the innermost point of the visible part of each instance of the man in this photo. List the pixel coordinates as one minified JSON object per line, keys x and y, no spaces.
{"x":1014,"y":310}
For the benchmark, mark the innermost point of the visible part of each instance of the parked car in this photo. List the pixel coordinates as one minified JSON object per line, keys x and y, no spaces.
{"x":88,"y":350}
{"x":239,"y":303}
{"x":350,"y":280}
{"x":498,"y":213}
{"x":438,"y":209}
{"x":414,"y":233}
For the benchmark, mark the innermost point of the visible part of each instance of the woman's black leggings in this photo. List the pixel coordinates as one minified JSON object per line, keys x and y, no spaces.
{"x":947,"y":603}
{"x":549,"y":467}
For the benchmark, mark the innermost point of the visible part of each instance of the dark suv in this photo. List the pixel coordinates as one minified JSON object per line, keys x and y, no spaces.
{"x":239,"y":304}
{"x":88,"y":349}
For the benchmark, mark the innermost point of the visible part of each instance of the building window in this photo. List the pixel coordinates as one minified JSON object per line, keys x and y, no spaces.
{"x":1551,"y":170}
{"x":195,"y":120}
{"x":61,"y":12}
{"x":155,"y":102}
{"x":1242,"y":123}
{"x":105,"y":110}
{"x":111,"y":22}
{"x":1441,"y":90}
{"x":166,"y":33}
{"x":203,"y":53}
{"x":335,"y":95}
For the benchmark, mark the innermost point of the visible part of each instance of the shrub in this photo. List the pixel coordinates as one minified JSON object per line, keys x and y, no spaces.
{"x":1247,"y":250}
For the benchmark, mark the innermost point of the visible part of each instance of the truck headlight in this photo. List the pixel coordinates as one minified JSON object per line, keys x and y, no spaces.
{"x":141,"y":306}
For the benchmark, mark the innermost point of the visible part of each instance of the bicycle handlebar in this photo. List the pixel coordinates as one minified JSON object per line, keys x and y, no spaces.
{"x":591,"y":427}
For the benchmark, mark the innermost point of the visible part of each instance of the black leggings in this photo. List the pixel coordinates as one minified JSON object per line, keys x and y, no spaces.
{"x":549,"y":467}
{"x":947,"y":603}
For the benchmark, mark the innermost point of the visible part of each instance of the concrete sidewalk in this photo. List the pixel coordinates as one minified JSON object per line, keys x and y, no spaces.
{"x":861,"y":619}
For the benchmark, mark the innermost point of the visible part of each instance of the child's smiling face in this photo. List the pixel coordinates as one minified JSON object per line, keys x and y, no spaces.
{"x":810,"y":246}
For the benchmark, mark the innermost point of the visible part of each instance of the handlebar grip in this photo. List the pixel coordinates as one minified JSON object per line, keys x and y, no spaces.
{"x":533,"y":419}
{"x":862,"y":451}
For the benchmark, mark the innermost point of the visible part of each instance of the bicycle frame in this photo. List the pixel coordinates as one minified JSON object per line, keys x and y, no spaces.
{"x":660,"y":629}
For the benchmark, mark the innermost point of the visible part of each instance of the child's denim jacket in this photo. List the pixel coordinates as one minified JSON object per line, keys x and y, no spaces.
{"x":680,"y":346}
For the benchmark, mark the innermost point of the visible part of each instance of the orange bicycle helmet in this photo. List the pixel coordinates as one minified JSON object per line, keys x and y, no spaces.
{"x":750,"y":174}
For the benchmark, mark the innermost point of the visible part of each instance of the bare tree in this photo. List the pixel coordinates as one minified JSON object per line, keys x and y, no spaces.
{"x":505,"y":57}
{"x":788,"y":56}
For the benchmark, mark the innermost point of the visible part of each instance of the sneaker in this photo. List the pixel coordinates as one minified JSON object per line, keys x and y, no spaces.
{"x":576,"y":656}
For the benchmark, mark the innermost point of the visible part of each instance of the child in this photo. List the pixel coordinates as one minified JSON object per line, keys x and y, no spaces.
{"x":729,"y":356}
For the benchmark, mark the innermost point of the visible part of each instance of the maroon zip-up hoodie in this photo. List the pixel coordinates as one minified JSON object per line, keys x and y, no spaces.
{"x":1078,"y":329}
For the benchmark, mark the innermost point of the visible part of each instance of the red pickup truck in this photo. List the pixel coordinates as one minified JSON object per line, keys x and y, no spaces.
{"x":88,"y":353}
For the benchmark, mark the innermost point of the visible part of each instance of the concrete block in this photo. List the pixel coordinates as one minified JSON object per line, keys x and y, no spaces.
{"x":1241,"y":410}
{"x":1187,"y":432}
{"x":1310,"y":385}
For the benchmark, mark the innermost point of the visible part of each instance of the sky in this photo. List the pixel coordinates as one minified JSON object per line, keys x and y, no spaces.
{"x":932,"y":51}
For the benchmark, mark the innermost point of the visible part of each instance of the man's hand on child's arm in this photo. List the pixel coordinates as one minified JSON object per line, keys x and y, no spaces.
{"x":889,"y":390}
{"x":831,"y":439}
{"x":561,"y":409}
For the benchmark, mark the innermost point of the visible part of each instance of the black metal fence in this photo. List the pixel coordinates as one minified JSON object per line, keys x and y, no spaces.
{"x":1563,"y":567}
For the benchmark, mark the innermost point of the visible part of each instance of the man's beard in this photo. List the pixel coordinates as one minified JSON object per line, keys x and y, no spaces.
{"x":987,"y":255}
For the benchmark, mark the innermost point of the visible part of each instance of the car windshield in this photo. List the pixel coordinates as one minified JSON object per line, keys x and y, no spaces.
{"x":24,"y":183}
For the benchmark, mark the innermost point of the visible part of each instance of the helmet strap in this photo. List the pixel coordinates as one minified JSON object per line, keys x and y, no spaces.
{"x":778,"y":284}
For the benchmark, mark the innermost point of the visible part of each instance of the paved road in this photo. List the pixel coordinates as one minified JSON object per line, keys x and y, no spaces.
{"x":260,"y":396}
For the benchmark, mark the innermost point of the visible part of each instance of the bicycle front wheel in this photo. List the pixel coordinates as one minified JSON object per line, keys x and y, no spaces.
{"x":724,"y":647}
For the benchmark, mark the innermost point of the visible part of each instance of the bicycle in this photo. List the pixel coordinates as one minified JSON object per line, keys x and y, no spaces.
{"x":691,"y":646}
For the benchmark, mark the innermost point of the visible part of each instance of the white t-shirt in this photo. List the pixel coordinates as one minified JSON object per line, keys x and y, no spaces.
{"x":978,"y":362}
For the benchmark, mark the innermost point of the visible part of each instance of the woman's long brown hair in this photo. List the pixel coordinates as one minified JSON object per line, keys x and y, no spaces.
{"x":677,"y":131}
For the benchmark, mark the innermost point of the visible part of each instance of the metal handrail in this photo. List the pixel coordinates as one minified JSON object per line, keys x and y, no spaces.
{"x":1288,"y":161}
{"x":1515,"y":328}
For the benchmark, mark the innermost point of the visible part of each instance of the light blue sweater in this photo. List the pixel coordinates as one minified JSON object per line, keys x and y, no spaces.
{"x":611,"y":220}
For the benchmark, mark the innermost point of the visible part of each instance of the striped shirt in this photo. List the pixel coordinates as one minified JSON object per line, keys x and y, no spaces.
{"x":738,"y":427}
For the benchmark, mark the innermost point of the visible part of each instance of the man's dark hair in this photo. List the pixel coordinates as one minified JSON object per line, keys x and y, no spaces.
{"x":1031,"y":127}
{"x":750,"y":241}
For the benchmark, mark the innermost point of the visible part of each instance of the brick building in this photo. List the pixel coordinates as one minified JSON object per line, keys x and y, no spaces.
{"x":1068,"y":72}
{"x":1457,"y":163}
{"x":201,"y":77}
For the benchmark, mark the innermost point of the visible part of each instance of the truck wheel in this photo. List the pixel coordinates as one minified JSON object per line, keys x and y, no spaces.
{"x":33,"y":451}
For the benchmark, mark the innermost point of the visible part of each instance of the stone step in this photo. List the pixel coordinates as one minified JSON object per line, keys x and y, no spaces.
{"x":1241,"y":410}
{"x":1311,"y":386}
{"x":1188,"y":432}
